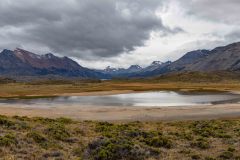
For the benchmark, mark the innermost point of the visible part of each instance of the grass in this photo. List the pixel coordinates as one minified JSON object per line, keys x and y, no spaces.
{"x":63,"y":138}
{"x":24,"y":90}
{"x":189,"y":81}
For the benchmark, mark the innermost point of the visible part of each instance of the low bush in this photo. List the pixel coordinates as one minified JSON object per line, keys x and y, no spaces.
{"x":226,"y":155}
{"x":7,"y":140}
{"x":112,"y":149}
{"x":64,"y":120}
{"x":78,"y":152}
{"x":211,"y":128}
{"x":38,"y":138}
{"x":201,"y":143}
{"x":6,"y":122}
{"x":58,"y":131}
{"x":195,"y":156}
{"x":159,"y":141}
{"x":210,"y":158}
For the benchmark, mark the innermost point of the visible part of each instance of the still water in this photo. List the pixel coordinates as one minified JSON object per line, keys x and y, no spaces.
{"x":146,"y":99}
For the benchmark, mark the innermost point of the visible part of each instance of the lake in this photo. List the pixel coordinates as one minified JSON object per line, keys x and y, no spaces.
{"x":144,"y":99}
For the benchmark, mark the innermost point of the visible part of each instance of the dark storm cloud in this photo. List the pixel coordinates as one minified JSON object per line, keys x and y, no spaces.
{"x":81,"y":28}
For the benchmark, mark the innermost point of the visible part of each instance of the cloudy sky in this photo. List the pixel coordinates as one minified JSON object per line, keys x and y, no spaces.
{"x":98,"y":33}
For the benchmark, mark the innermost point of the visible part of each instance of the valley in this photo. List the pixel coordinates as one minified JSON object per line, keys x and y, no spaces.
{"x":38,"y":91}
{"x":119,"y":80}
{"x":180,"y":83}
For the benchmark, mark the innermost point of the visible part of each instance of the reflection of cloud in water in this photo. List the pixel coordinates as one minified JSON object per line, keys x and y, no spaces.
{"x":147,"y":99}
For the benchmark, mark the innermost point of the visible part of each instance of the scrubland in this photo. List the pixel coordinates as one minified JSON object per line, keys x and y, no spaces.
{"x":63,"y":138}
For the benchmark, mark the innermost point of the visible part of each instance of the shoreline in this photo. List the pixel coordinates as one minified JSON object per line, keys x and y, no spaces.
{"x":127,"y":113}
{"x":112,"y":92}
{"x":91,"y":93}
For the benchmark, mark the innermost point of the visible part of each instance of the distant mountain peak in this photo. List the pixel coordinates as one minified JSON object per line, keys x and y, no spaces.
{"x":24,"y":63}
{"x":22,"y":51}
{"x":48,"y":60}
{"x":49,"y":55}
{"x":19,"y":50}
{"x":135,"y":67}
{"x":110,"y":69}
{"x":154,"y":63}
{"x":196,"y":54}
{"x":25,"y":55}
{"x":6,"y":52}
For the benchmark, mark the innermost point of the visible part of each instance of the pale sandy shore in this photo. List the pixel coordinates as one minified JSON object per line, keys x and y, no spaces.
{"x":125,"y":113}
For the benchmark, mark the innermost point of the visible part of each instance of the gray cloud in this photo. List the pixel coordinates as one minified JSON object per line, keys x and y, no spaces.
{"x":226,"y":11}
{"x":82,"y":28}
{"x":233,"y":36}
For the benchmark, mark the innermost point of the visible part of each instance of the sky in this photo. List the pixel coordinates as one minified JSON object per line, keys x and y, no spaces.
{"x":118,"y":33}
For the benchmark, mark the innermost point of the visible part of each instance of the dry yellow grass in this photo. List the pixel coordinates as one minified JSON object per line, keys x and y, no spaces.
{"x":22,"y":89}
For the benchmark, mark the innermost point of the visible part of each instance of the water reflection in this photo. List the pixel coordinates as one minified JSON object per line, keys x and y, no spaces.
{"x":147,"y":99}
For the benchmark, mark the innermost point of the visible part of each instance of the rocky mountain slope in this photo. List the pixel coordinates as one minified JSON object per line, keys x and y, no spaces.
{"x":23,"y":63}
{"x":226,"y":58}
{"x":220,"y":58}
{"x":133,"y":69}
{"x":118,"y":72}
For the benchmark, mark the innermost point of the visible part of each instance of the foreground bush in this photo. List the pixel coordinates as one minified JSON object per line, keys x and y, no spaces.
{"x":63,"y":138}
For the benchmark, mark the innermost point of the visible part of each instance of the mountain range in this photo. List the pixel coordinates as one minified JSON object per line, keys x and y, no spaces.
{"x":20,"y":62}
{"x":225,"y":58}
{"x":23,"y":63}
{"x":134,"y":70}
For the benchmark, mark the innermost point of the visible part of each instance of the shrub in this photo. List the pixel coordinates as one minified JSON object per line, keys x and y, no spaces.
{"x":58,"y":131}
{"x":5,"y":122}
{"x":231,"y":149}
{"x":159,"y":141}
{"x":211,"y":128}
{"x":7,"y":140}
{"x":184,"y":135}
{"x":38,"y":138}
{"x":53,"y":154}
{"x":201,"y":143}
{"x":226,"y":155}
{"x":196,"y":156}
{"x":19,"y":125}
{"x":104,"y":126}
{"x":78,"y":152}
{"x":210,"y":158}
{"x":21,"y":118}
{"x":43,"y":120}
{"x":64,"y":120}
{"x":112,"y":149}
{"x":185,"y":151}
